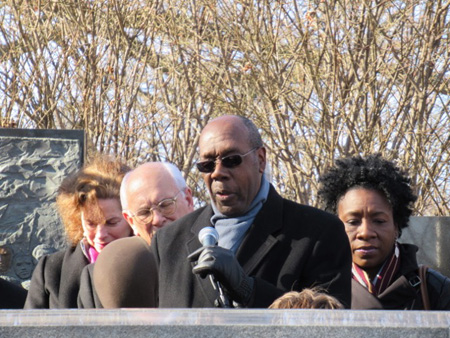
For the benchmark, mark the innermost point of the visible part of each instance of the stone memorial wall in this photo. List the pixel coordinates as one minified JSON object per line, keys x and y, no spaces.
{"x":431,"y":235}
{"x":33,"y":164}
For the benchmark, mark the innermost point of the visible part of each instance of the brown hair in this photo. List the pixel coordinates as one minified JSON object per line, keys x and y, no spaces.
{"x":306,"y":299}
{"x":99,"y":179}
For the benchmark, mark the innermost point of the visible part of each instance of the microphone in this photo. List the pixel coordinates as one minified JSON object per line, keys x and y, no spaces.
{"x":209,"y":236}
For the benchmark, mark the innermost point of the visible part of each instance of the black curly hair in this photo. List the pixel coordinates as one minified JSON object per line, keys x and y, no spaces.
{"x":372,"y":172}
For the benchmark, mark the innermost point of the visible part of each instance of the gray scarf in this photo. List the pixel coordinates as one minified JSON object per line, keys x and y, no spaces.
{"x":232,"y":229}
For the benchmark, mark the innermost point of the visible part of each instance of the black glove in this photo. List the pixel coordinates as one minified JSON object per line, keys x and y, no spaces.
{"x":222,"y":263}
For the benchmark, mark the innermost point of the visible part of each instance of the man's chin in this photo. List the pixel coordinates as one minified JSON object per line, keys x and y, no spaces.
{"x":146,"y":236}
{"x":229,"y":210}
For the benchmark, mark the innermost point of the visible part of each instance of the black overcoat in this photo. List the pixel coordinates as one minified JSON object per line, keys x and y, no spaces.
{"x":87,"y":296}
{"x":56,"y":280}
{"x":288,"y":247}
{"x":12,"y":296}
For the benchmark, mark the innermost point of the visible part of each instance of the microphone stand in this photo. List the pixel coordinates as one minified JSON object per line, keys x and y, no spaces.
{"x":222,"y":300}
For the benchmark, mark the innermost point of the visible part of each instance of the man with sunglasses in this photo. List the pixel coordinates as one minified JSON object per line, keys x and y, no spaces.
{"x":267,"y":245}
{"x":152,"y":196}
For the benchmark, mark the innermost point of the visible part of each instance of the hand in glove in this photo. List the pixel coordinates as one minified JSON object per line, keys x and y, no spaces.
{"x":222,"y":263}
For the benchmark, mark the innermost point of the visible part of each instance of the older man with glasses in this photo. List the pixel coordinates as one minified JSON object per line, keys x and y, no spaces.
{"x":152,"y":196}
{"x":267,"y":245}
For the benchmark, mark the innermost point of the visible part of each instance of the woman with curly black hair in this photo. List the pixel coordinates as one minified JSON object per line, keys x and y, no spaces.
{"x":374,"y":200}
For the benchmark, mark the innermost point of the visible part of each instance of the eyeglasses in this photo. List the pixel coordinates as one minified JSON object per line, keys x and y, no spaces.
{"x":166,"y":207}
{"x":230,"y":161}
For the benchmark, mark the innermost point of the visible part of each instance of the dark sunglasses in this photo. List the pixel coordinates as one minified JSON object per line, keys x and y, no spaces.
{"x":230,"y":161}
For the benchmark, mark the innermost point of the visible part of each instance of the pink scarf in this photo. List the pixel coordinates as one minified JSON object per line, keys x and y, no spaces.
{"x":92,"y":254}
{"x":384,"y":277}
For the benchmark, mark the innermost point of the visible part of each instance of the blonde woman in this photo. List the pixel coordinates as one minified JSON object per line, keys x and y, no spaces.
{"x":90,"y":209}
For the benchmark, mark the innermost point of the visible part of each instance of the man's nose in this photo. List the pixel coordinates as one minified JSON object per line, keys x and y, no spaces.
{"x":220,"y":171}
{"x":158,"y":219}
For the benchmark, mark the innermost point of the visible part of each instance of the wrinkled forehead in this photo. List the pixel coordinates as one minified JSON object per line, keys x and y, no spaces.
{"x":221,"y":141}
{"x":150,"y":188}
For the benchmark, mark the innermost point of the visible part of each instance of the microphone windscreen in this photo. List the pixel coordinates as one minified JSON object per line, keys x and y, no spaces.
{"x":208,"y":236}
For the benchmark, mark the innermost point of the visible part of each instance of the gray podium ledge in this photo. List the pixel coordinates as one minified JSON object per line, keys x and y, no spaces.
{"x":222,"y":323}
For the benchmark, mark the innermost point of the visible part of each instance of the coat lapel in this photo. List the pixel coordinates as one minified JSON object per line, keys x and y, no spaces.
{"x":72,"y":266}
{"x":261,"y":237}
{"x":256,"y":245}
{"x":363,"y":299}
{"x":399,"y":295}
{"x":193,"y":244}
{"x":202,"y":221}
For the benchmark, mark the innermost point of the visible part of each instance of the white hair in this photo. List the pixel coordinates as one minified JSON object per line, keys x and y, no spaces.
{"x":176,"y":175}
{"x":172,"y":169}
{"x":123,"y":193}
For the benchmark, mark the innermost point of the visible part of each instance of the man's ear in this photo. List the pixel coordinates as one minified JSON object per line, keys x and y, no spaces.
{"x":262,"y":159}
{"x":127,"y":217}
{"x":188,"y":197}
{"x":130,"y":221}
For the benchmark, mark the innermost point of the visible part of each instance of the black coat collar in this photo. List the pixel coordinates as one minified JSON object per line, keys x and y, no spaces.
{"x":257,"y":242}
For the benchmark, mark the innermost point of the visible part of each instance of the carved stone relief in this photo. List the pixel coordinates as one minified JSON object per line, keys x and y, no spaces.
{"x":32,"y":166}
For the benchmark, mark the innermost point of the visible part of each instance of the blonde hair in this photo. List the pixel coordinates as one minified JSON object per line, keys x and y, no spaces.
{"x":306,"y":299}
{"x":80,"y":192}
